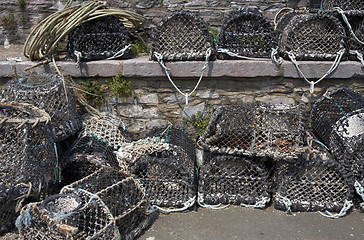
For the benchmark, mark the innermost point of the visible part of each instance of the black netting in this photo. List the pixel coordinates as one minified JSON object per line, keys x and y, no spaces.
{"x":316,"y":183}
{"x":229,"y":179}
{"x":122,"y":195}
{"x":311,"y":36}
{"x":328,"y":5}
{"x":168,"y":177}
{"x":347,"y":142}
{"x":27,"y":151}
{"x":8,"y":216}
{"x":181,"y":36}
{"x":357,"y":24}
{"x":331,"y":107}
{"x":269,"y":130}
{"x":247,"y":33}
{"x":100,"y":38}
{"x":47,"y":91}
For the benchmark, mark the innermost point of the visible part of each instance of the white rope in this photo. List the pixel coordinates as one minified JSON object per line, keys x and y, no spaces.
{"x":332,"y":68}
{"x":341,"y":12}
{"x":359,"y":56}
{"x":287,"y":203}
{"x":190,"y":202}
{"x":360,"y":191}
{"x":343,"y":211}
{"x":14,"y":59}
{"x":78,"y":56}
{"x":186,"y":95}
{"x":260,"y":204}
{"x":200,"y":201}
{"x":120,"y":53}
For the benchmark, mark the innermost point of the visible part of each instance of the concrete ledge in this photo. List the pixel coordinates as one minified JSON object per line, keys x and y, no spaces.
{"x":143,"y":68}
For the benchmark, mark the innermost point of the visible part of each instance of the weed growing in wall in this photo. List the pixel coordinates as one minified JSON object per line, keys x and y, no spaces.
{"x":199,"y":121}
{"x":21,"y":3}
{"x":138,"y":47}
{"x":120,"y":87}
{"x":92,"y":93}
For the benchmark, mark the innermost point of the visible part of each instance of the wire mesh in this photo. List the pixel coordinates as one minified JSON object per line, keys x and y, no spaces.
{"x":123,"y":196}
{"x":181,"y":36}
{"x":328,"y":5}
{"x":347,"y":142}
{"x":247,"y":33}
{"x":27,"y":153}
{"x":47,"y":92}
{"x":333,"y":105}
{"x":357,"y":24}
{"x":8,"y":216}
{"x":256,"y":130}
{"x":100,"y":38}
{"x":231,"y":179}
{"x":312,"y":36}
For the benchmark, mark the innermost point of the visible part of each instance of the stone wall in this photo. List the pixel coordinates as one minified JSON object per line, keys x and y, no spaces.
{"x":17,"y":21}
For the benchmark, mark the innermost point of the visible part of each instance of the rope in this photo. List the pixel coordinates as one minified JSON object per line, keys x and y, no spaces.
{"x":343,"y":211}
{"x":200,"y":201}
{"x":341,"y":12}
{"x":360,"y":191}
{"x":57,"y":168}
{"x":313,"y":83}
{"x":120,"y":53}
{"x":287,"y":203}
{"x":186,"y":95}
{"x":190,"y":202}
{"x":253,"y":143}
{"x":260,"y":204}
{"x":337,"y":105}
{"x":359,"y":56}
{"x":273,"y":58}
{"x":278,"y":13}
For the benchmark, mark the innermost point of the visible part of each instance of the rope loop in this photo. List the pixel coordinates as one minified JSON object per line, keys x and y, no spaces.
{"x":200,"y":202}
{"x":260,"y":204}
{"x":343,"y":211}
{"x":189,"y":203}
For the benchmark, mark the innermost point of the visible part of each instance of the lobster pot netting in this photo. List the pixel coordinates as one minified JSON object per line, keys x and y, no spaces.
{"x":248,"y":34}
{"x":181,"y":36}
{"x":355,"y":47}
{"x":311,"y":36}
{"x":330,"y":108}
{"x":229,"y":179}
{"x":101,"y":38}
{"x":122,"y":195}
{"x":267,"y":131}
{"x":168,"y":177}
{"x":76,"y":215}
{"x":27,"y":152}
{"x":47,"y":92}
{"x":8,"y":215}
{"x":347,"y":142}
{"x":328,"y":5}
{"x":316,"y":183}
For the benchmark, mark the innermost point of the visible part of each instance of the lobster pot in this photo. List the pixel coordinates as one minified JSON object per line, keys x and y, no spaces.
{"x":8,"y":216}
{"x":347,"y":142}
{"x":122,"y":195}
{"x":229,"y":179}
{"x":265,"y":131}
{"x":181,"y":36}
{"x":311,"y":36}
{"x":47,"y":92}
{"x":101,"y":38}
{"x":248,"y":34}
{"x":168,"y":177}
{"x":76,"y":215}
{"x":346,"y":5}
{"x":27,"y":153}
{"x":330,"y":108}
{"x":316,"y":183}
{"x":357,"y":24}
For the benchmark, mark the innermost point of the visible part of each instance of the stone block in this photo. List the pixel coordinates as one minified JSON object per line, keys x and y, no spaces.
{"x":138,"y":111}
{"x":188,"y":111}
{"x":275,"y":99}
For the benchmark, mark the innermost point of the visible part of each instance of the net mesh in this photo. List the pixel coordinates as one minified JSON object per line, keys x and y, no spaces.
{"x":100,"y":38}
{"x":229,"y":179}
{"x":47,"y":92}
{"x":330,"y":108}
{"x":247,"y":33}
{"x":8,"y":216}
{"x":357,"y":24}
{"x":27,"y":154}
{"x":181,"y":36}
{"x":311,"y":36}
{"x":346,"y":5}
{"x":316,"y":183}
{"x":268,"y":130}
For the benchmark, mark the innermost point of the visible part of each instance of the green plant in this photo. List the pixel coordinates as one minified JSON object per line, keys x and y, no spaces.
{"x":21,"y":19}
{"x":199,"y":121}
{"x":138,"y":47}
{"x":120,"y":87}
{"x":7,"y":20}
{"x":92,"y":92}
{"x":21,"y":3}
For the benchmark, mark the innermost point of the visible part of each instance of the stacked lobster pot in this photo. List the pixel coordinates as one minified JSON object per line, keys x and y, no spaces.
{"x":101,"y":38}
{"x":27,"y":157}
{"x":164,"y":163}
{"x":237,"y":143}
{"x":246,"y":34}
{"x":312,"y":36}
{"x":107,"y":204}
{"x":338,"y":120}
{"x":49,"y":93}
{"x":329,"y":5}
{"x":94,"y":146}
{"x":315,"y":183}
